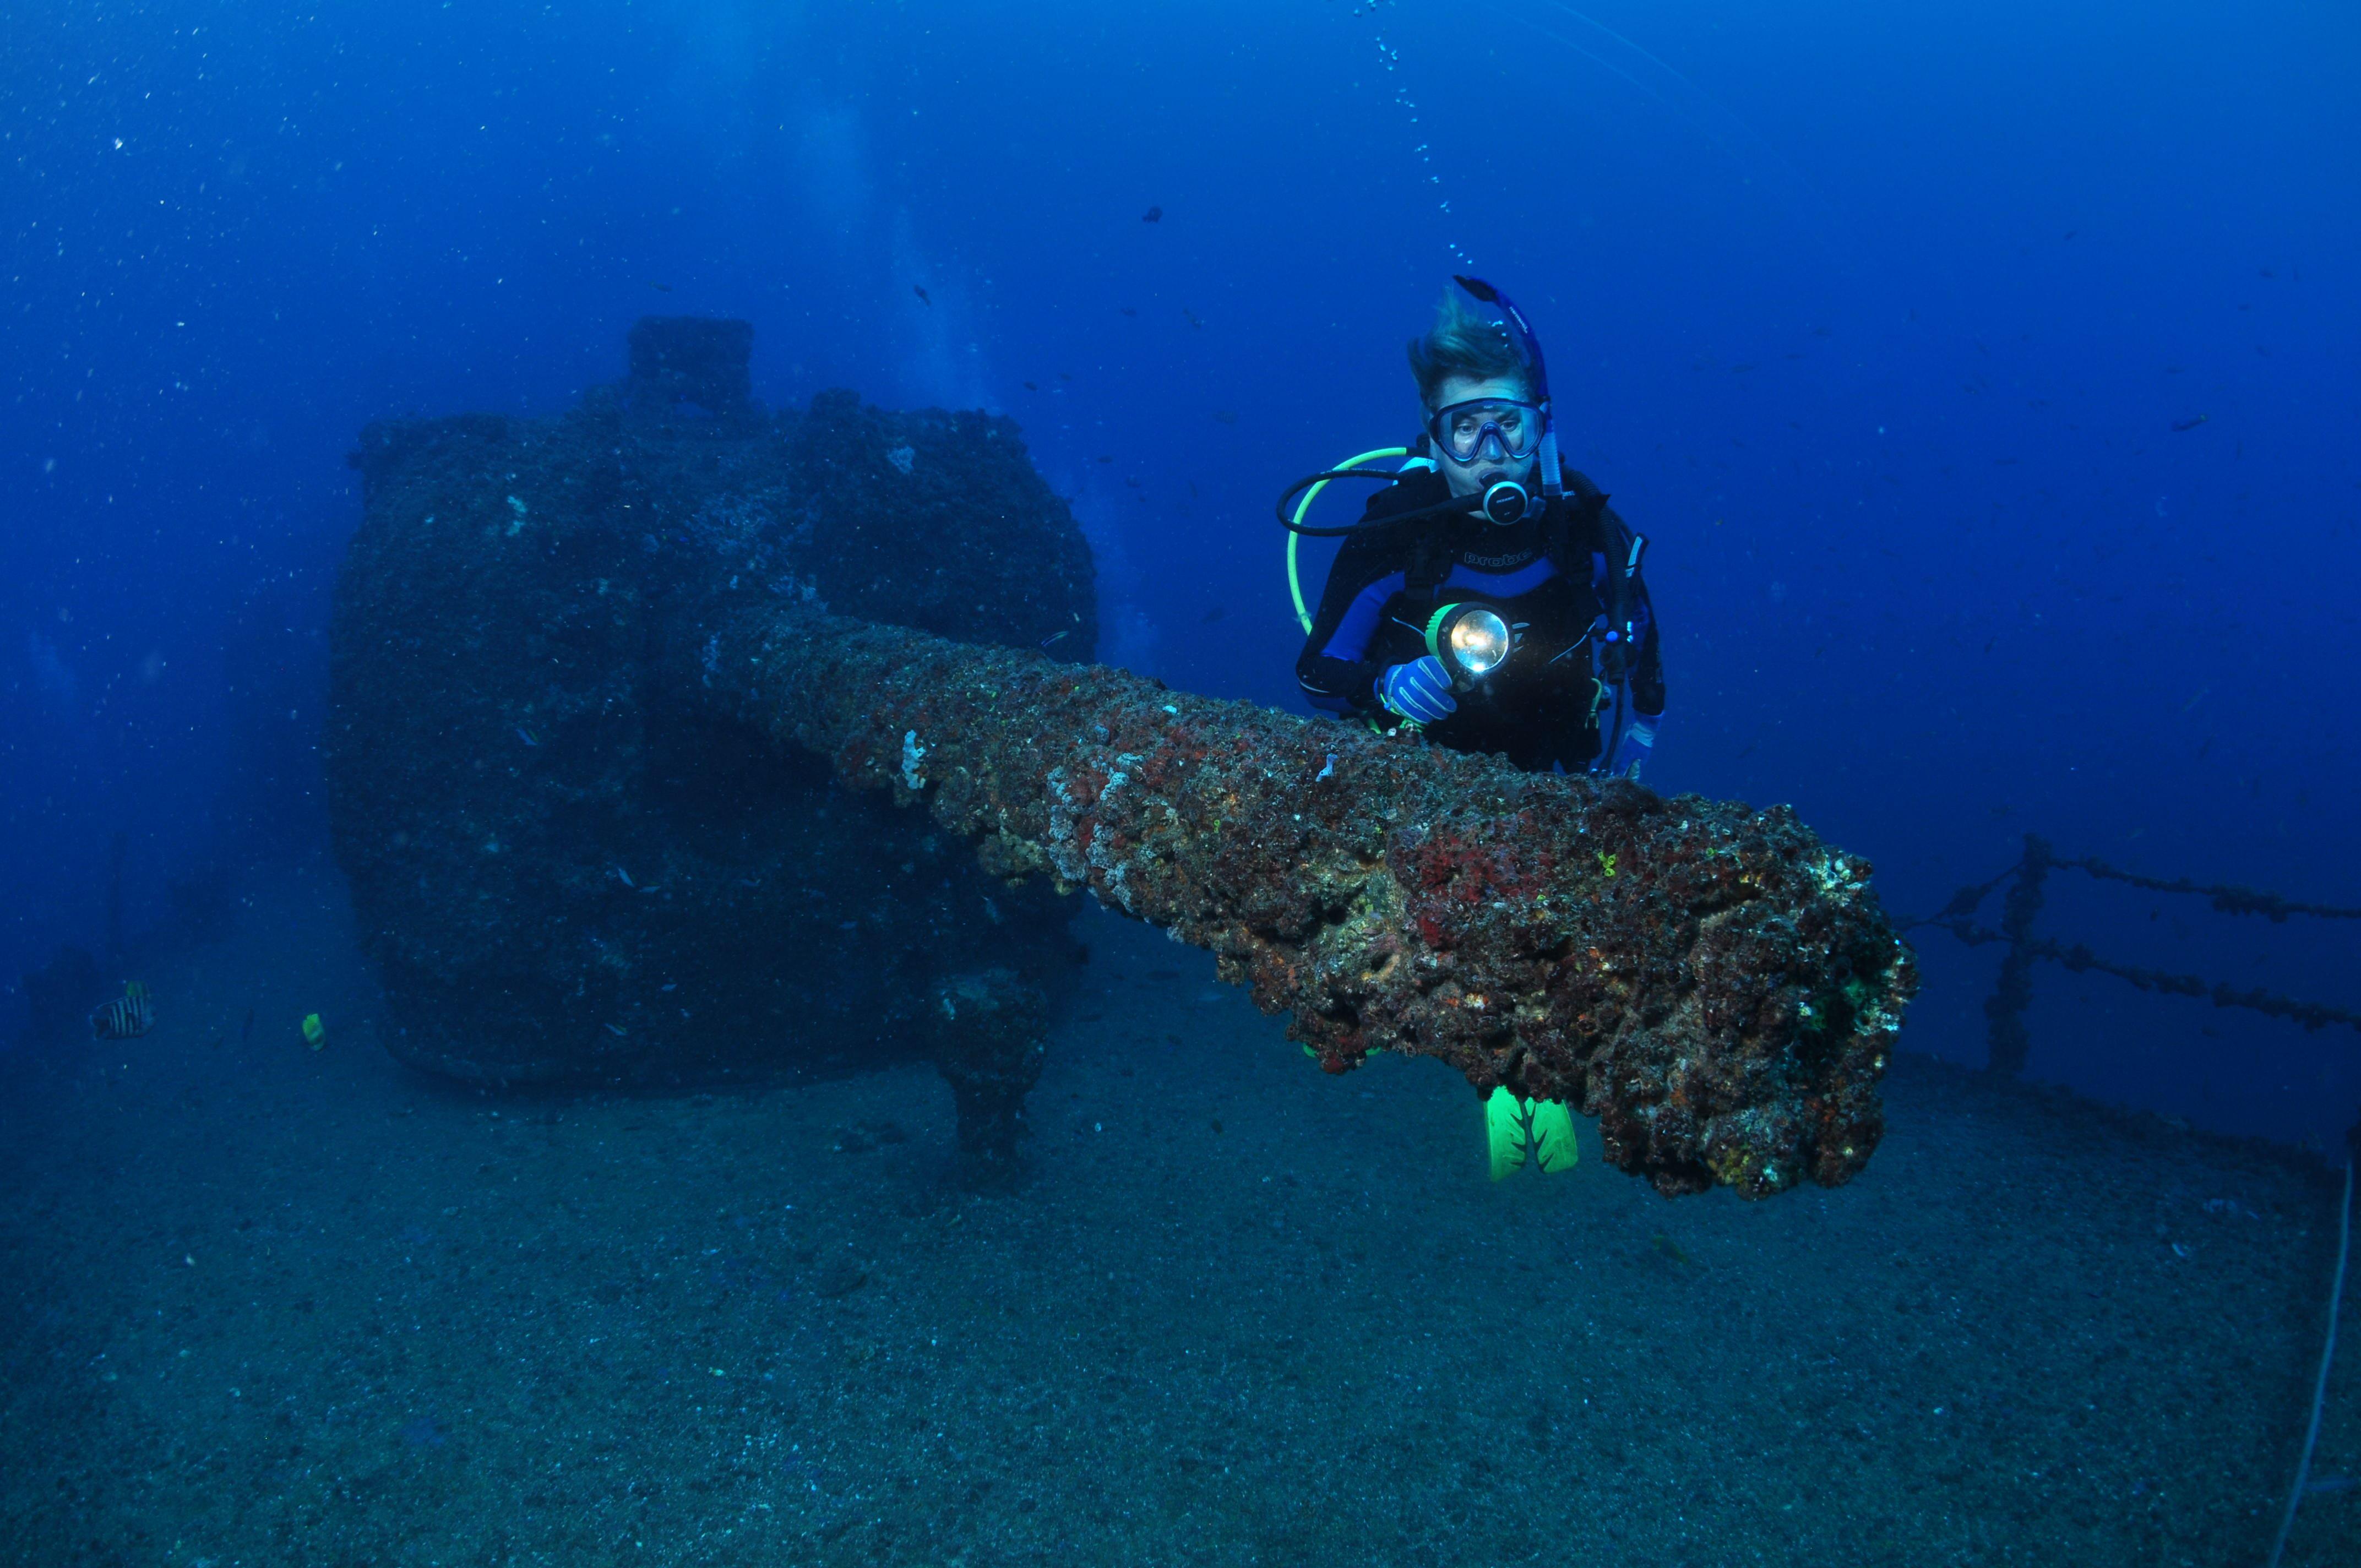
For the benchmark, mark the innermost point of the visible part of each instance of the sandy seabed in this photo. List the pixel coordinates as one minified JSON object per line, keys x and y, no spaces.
{"x":263,"y":1305}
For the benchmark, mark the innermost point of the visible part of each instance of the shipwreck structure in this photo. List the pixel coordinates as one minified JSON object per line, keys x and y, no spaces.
{"x":671,"y":737}
{"x":566,"y":868}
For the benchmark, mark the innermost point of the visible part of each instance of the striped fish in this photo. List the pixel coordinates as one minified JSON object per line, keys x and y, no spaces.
{"x":126,"y":1017}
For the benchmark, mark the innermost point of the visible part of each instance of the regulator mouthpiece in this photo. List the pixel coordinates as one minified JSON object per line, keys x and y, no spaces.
{"x":1508,"y":503}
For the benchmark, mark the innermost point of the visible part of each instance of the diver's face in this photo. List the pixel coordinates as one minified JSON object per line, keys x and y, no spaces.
{"x":1485,"y":468}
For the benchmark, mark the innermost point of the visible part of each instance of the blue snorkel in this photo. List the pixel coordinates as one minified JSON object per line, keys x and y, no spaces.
{"x":1529,"y":348}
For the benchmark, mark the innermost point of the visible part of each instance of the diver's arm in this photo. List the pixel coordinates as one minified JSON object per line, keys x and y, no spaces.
{"x":1648,"y":673}
{"x":1645,"y":724}
{"x":1334,"y":669}
{"x":1641,"y":719}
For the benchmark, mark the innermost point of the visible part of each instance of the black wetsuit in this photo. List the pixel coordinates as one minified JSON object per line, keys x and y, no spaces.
{"x":1557,"y":579}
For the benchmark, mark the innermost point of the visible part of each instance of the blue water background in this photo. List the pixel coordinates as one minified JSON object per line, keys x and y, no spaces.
{"x":1877,"y":320}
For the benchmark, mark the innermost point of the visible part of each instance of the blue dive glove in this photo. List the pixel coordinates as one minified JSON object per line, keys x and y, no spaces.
{"x":1419,"y":691}
{"x":1633,"y":747}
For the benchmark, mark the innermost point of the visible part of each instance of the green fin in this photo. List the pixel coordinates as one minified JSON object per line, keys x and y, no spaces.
{"x":1504,"y":1132}
{"x":1554,"y":1147}
{"x":1512,"y":1125}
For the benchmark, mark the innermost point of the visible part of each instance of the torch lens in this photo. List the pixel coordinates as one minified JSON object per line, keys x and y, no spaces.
{"x":1479,"y":640}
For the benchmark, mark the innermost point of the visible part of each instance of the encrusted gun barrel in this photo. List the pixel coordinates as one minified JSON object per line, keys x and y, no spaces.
{"x":1717,"y":986}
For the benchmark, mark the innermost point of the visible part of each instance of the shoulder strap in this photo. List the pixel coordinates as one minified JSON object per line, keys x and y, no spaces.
{"x":1430,"y":564}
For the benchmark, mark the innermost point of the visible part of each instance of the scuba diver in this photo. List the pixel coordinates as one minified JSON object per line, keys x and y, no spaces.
{"x":1489,"y":599}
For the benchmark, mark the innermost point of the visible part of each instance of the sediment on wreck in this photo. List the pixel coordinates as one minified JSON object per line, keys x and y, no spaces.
{"x":1715,"y":984}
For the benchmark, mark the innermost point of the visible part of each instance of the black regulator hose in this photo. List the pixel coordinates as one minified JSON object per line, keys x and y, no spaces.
{"x":1460,"y":504}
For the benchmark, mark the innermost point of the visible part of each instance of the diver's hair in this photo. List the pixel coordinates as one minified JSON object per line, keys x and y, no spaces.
{"x":1464,"y":343}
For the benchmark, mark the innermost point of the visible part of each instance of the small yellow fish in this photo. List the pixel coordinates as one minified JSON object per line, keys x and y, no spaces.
{"x":126,"y":1017}
{"x":315,"y":1033}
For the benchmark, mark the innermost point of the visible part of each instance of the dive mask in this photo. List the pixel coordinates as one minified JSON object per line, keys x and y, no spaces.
{"x":1506,"y":430}
{"x":1515,"y":428}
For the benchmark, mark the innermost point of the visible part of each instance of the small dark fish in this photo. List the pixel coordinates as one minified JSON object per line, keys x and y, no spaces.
{"x":1129,"y":311}
{"x":1105,"y":458}
{"x":661,"y":287}
{"x":1153,"y":215}
{"x":1031,"y":388}
{"x":126,"y":1017}
{"x":2190,"y":423}
{"x":1216,"y":613}
{"x":2268,"y":272}
{"x":1192,"y":318}
{"x":1053,"y":638}
{"x":2071,"y":233}
{"x":246,"y":1030}
{"x":1225,"y":416}
{"x":921,"y":293}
